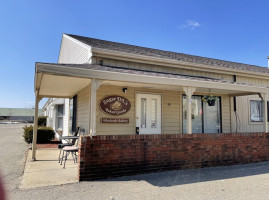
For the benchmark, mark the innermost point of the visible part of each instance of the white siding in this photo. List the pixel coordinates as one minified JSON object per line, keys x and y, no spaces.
{"x":83,"y":100}
{"x":72,"y":52}
{"x":66,"y":118}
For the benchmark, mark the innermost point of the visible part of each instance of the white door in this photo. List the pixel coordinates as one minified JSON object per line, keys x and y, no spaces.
{"x":148,"y":113}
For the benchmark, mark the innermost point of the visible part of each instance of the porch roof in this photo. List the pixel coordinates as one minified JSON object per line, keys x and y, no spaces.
{"x":65,"y":80}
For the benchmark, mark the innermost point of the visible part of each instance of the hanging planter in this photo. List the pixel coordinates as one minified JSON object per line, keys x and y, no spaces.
{"x":210,"y":100}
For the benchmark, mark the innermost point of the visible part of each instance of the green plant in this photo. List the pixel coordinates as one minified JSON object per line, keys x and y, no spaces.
{"x":44,"y":134}
{"x":42,"y":120}
{"x":209,"y":98}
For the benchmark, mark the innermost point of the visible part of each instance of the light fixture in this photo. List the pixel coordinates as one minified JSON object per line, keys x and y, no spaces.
{"x":124,"y":90}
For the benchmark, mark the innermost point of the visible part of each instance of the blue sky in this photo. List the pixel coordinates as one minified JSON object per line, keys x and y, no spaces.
{"x":31,"y":31}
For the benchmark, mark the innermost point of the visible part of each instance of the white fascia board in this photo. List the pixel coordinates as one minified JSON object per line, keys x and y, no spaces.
{"x":89,"y":48}
{"x":60,"y":51}
{"x":48,"y":102}
{"x":175,"y":63}
{"x":117,"y":76}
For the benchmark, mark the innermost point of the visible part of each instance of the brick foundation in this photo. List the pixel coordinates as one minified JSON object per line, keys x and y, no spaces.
{"x":113,"y":156}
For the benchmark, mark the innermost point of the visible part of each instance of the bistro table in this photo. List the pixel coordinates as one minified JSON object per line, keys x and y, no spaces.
{"x":68,"y":138}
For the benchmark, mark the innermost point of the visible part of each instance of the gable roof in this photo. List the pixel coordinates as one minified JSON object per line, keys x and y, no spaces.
{"x":138,"y":50}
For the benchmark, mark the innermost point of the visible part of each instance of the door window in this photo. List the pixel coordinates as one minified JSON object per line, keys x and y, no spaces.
{"x":143,"y":112}
{"x":211,"y":118}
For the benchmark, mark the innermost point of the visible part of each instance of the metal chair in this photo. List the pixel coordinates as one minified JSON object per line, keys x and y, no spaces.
{"x":73,"y":150}
{"x":68,"y":144}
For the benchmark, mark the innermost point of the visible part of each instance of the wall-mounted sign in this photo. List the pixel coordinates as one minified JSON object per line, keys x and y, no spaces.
{"x":115,"y":121}
{"x":115,"y":105}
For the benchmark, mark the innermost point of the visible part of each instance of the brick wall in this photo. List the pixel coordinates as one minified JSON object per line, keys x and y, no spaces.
{"x":112,"y":156}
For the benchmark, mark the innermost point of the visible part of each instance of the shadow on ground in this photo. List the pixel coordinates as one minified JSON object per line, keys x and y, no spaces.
{"x":181,"y":177}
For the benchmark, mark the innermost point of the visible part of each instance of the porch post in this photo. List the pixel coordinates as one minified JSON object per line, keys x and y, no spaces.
{"x":37,"y":99}
{"x":264,"y":98}
{"x":95,"y":84}
{"x":189,"y":92}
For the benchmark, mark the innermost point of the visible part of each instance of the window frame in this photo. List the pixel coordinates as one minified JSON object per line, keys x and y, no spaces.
{"x":59,"y":116}
{"x":249,"y":109}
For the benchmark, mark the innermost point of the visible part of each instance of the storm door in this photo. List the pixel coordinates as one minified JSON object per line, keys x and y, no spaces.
{"x":148,"y":114}
{"x":205,"y":118}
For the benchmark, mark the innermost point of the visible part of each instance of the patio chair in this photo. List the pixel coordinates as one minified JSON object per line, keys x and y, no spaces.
{"x":61,"y":146}
{"x":73,"y":150}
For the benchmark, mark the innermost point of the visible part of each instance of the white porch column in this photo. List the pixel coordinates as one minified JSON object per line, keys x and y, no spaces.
{"x":37,"y":99}
{"x":189,"y":92}
{"x":264,"y":98}
{"x":95,"y":84}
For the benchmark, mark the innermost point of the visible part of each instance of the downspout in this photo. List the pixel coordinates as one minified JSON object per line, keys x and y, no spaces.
{"x":237,"y":121}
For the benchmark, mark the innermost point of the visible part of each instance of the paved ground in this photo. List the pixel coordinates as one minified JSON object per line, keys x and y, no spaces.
{"x":46,"y":171}
{"x":237,"y":182}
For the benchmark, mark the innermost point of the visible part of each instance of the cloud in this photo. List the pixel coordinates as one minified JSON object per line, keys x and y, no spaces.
{"x":190,"y":24}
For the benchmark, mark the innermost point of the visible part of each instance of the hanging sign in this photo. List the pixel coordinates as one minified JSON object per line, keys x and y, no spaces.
{"x":115,"y":120}
{"x":115,"y":105}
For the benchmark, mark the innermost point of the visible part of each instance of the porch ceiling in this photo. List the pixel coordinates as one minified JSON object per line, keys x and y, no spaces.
{"x":61,"y":86}
{"x":65,"y":80}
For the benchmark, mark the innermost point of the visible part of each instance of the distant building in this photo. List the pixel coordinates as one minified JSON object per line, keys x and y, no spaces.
{"x":57,"y":111}
{"x":17,"y":114}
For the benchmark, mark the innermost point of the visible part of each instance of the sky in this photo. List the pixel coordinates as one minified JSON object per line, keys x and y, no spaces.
{"x":31,"y":31}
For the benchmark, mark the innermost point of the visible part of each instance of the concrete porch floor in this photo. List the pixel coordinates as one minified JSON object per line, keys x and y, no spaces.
{"x":46,"y":171}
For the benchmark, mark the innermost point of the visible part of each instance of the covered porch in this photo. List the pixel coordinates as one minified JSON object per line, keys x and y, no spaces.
{"x":96,"y":81}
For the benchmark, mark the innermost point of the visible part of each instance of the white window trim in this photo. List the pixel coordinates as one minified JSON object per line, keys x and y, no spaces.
{"x":249,"y":114}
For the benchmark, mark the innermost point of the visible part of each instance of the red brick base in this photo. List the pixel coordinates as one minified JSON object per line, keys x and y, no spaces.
{"x":50,"y":145}
{"x":113,"y":156}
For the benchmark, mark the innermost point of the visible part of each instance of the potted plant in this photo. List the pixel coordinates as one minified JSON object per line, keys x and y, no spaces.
{"x":210,"y":100}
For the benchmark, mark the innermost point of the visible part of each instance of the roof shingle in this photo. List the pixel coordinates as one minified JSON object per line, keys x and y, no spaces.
{"x":132,"y":49}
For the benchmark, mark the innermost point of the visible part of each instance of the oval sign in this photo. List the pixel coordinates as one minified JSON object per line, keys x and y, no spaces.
{"x":115,"y":105}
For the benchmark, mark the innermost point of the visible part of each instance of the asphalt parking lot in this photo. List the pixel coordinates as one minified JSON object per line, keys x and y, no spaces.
{"x":235,"y":182}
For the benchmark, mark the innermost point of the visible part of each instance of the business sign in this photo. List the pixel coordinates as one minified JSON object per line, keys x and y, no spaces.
{"x":115,"y":121}
{"x":115,"y":105}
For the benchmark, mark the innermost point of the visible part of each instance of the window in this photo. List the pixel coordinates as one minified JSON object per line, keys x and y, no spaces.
{"x":143,"y":112}
{"x":256,"y":111}
{"x":59,"y":117}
